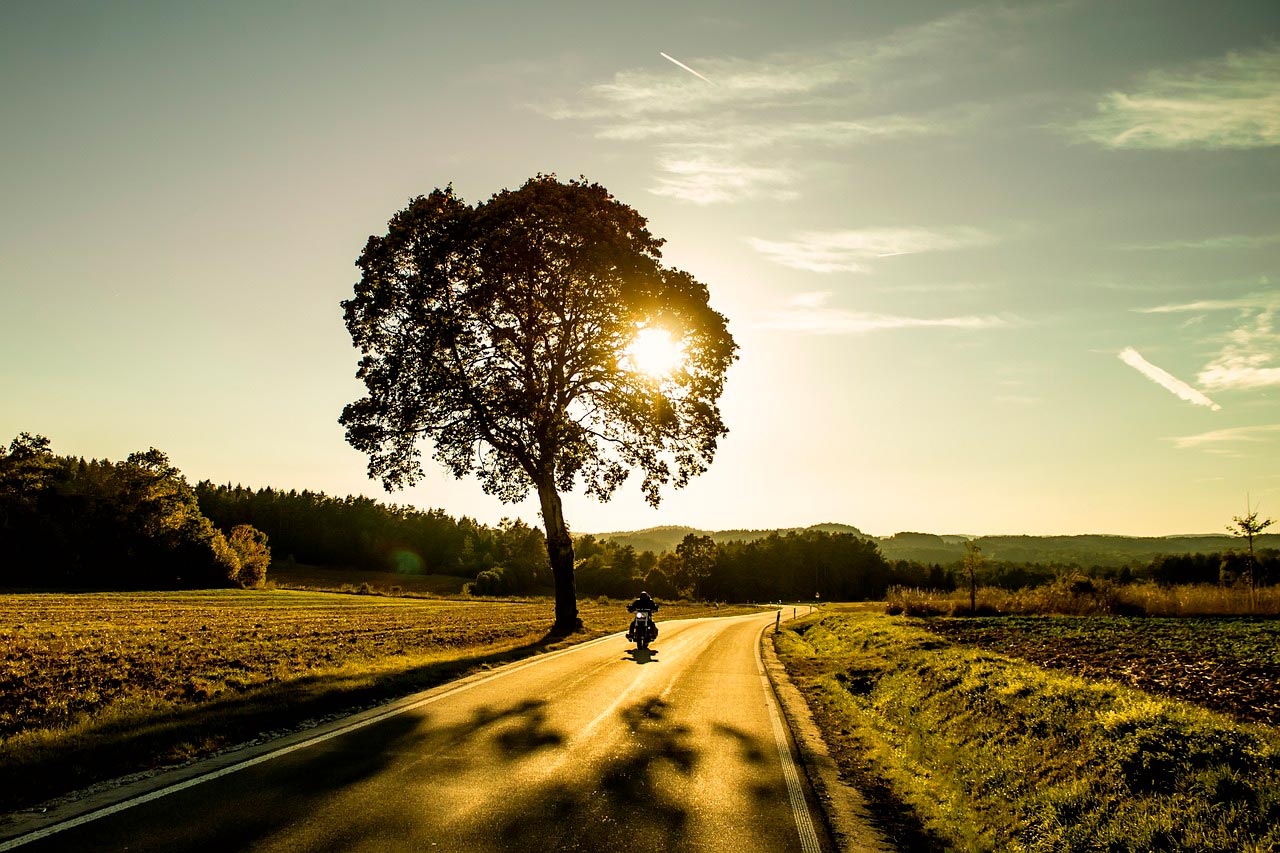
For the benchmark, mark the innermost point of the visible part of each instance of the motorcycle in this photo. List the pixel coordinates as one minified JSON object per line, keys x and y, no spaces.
{"x":643,"y":631}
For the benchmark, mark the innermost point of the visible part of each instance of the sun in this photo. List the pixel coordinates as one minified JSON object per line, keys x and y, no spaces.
{"x":653,"y":353}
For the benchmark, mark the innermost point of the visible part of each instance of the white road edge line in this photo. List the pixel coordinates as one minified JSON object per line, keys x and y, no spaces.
{"x":795,"y":793}
{"x":107,"y":811}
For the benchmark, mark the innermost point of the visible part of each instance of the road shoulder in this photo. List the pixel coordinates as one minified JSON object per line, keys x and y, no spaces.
{"x":846,"y":810}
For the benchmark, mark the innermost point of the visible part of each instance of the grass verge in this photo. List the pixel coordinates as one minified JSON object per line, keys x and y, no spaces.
{"x":98,"y":685}
{"x":991,"y":753}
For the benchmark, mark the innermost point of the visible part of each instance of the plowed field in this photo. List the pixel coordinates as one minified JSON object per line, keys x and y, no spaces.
{"x":1230,"y":665}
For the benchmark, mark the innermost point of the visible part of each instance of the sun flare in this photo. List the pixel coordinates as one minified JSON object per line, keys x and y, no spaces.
{"x":653,"y":353}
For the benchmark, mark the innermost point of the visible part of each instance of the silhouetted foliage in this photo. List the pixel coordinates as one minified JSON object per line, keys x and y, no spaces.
{"x":68,"y":522}
{"x":792,"y":566}
{"x":497,"y":333}
{"x":364,"y":534}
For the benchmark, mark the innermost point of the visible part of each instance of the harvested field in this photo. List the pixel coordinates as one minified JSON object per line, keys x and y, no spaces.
{"x":65,"y":657}
{"x":1231,"y":665}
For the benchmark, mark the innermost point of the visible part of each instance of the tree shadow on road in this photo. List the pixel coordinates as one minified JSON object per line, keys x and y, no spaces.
{"x":409,"y":749}
{"x":630,"y":802}
{"x":123,"y":743}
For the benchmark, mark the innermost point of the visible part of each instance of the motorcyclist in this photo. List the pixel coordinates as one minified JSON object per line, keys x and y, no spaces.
{"x":643,"y":602}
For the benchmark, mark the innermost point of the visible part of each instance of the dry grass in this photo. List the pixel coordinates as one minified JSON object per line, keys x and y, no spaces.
{"x":1091,"y":597}
{"x":98,"y":684}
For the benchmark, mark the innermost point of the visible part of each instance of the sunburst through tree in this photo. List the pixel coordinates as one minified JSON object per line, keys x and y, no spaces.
{"x":536,"y":341}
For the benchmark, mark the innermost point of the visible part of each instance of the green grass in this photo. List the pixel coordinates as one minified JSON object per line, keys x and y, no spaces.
{"x":992,"y":753}
{"x":97,"y":685}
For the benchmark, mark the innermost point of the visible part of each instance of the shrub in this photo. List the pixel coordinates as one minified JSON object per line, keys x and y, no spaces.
{"x":250,"y":546}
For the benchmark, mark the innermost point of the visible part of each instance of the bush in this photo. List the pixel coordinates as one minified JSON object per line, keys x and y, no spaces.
{"x":490,"y":582}
{"x":250,"y":546}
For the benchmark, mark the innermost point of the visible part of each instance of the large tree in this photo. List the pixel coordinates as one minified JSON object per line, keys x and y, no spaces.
{"x":503,"y":335}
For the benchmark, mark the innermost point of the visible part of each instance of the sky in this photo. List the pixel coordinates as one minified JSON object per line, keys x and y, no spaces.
{"x":993,"y":268}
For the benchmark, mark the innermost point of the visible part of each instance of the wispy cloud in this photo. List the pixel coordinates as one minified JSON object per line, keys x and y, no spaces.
{"x":1229,"y":241}
{"x":740,"y":135}
{"x":1252,"y":300}
{"x":1233,"y":435}
{"x":1248,"y":358}
{"x":708,"y":180}
{"x":1233,"y":102}
{"x":1166,"y":380}
{"x":849,"y":251}
{"x":786,"y":102}
{"x":809,"y":314}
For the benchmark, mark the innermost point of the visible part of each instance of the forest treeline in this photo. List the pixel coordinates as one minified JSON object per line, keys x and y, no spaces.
{"x":70,"y":522}
{"x":511,"y":558}
{"x":1215,"y":567}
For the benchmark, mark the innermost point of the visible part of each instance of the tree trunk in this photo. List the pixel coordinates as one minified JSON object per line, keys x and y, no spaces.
{"x":560,"y":555}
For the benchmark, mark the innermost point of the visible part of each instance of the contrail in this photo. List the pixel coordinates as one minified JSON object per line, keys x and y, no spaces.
{"x":682,"y":65}
{"x":1164,"y":379}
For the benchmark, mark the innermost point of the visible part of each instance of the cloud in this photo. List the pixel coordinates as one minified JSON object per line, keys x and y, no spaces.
{"x":1253,"y":300}
{"x":1249,"y":357}
{"x":1233,"y":102}
{"x":837,"y":74}
{"x":1166,"y":380}
{"x":707,"y":180}
{"x":808,"y":314}
{"x":1230,"y":241}
{"x":849,"y":251}
{"x":786,"y":103}
{"x":1226,"y":436}
{"x":1246,"y":360}
{"x":1228,"y":442}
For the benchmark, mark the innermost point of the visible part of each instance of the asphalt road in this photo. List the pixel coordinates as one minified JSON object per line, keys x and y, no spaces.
{"x":599,"y":747}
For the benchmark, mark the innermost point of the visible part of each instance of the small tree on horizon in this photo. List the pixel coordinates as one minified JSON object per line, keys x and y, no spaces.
{"x":498,"y":335}
{"x":1248,"y":526}
{"x":973,"y":560}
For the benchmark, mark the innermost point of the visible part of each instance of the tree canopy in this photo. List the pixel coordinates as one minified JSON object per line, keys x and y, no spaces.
{"x":498,"y":334}
{"x":68,"y":522}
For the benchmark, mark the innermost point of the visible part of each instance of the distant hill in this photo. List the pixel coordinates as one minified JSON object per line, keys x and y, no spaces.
{"x":1085,"y":549}
{"x":1091,"y":550}
{"x":659,"y":539}
{"x":922,"y":547}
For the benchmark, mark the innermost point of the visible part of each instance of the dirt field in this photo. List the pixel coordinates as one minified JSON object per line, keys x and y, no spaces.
{"x":1230,"y":665}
